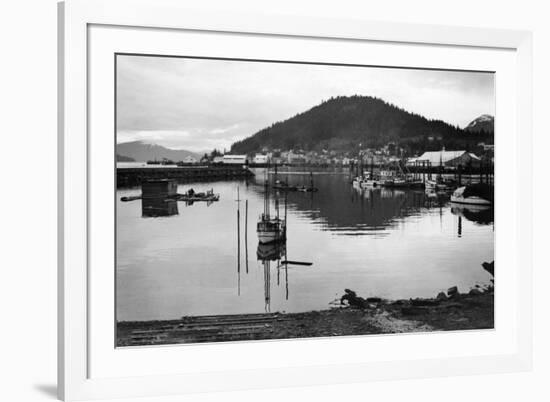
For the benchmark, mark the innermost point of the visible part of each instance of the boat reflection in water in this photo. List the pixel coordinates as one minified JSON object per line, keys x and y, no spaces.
{"x":373,"y":241}
{"x":158,"y":206}
{"x":482,"y":214}
{"x":268,"y":254}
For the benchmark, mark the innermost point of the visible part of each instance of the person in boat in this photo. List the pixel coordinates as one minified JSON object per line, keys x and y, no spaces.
{"x":190,"y":192}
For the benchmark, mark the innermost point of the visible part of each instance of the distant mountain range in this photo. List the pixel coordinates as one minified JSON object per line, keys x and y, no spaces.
{"x":122,"y":158}
{"x":141,"y":151}
{"x":344,"y":123}
{"x":485,"y":123}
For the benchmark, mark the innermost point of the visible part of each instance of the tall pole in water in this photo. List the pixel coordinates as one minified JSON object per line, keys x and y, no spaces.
{"x":238,"y":241}
{"x":246,"y":233}
{"x":286,"y":202}
{"x":286,"y":280}
{"x":267,"y":286}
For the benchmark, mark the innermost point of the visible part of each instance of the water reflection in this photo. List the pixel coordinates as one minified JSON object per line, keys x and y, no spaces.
{"x":481,"y":214}
{"x":346,"y":210}
{"x":386,"y":243}
{"x":158,"y":206}
{"x":271,"y":251}
{"x":268,"y":254}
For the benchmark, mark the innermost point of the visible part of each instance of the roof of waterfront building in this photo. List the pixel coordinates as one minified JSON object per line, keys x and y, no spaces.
{"x":435,"y":157}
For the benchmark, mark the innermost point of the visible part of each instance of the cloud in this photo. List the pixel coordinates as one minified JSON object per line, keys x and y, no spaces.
{"x":197,"y":104}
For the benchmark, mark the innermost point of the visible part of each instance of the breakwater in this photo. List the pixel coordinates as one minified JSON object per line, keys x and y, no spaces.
{"x":131,"y":177}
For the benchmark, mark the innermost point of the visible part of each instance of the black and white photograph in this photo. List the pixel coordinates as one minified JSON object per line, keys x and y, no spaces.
{"x":270,"y":199}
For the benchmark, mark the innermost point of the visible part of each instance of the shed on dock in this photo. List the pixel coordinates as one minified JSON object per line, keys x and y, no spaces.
{"x":443,"y":158}
{"x":159,"y":188}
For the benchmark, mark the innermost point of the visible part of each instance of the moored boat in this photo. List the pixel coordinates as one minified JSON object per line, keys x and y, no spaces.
{"x":437,"y":185}
{"x":270,"y":229}
{"x":473,"y":195}
{"x":366,"y":181}
{"x":308,"y":189}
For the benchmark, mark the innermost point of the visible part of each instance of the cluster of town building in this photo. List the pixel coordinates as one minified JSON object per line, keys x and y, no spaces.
{"x":375,"y":157}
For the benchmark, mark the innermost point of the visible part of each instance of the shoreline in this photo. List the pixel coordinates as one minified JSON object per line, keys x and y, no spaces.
{"x":354,"y":315}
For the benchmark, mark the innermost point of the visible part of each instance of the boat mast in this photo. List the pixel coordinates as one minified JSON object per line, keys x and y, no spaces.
{"x":440,"y":164}
{"x":371,"y":166}
{"x":266,"y":200}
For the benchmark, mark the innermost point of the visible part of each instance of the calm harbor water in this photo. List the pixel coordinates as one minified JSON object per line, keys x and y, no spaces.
{"x":387,"y":243}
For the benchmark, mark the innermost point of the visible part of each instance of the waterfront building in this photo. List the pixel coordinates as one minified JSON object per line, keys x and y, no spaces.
{"x":234,"y":159}
{"x":261,"y":159}
{"x":444,"y":158}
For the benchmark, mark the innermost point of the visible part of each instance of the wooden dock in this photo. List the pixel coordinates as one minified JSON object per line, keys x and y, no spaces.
{"x":213,"y":328}
{"x":132,"y":177}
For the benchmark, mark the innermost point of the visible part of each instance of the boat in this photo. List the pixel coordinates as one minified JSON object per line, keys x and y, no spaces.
{"x":367,"y":180}
{"x":283,"y":186}
{"x":270,"y":229}
{"x":306,"y":189}
{"x":397,"y":177}
{"x":363,"y":182}
{"x":476,"y":194}
{"x":437,"y":185}
{"x":191,"y":196}
{"x":396,"y":182}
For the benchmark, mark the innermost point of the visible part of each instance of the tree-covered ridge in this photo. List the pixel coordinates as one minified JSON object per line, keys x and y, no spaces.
{"x":343,"y":123}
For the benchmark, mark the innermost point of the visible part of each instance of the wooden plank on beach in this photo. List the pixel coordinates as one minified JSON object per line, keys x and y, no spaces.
{"x":209,"y":329}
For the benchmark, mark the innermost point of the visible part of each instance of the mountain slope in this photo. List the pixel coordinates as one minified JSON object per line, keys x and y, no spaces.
{"x":142,"y":152}
{"x":484,"y":123}
{"x":343,"y":123}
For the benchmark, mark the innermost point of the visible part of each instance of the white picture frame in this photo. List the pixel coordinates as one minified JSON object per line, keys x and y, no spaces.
{"x":77,"y":346}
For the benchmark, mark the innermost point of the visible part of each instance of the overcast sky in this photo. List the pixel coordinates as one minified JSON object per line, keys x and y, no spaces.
{"x":202,"y":104}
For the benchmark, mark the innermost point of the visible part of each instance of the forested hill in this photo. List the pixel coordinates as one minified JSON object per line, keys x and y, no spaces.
{"x":343,"y":123}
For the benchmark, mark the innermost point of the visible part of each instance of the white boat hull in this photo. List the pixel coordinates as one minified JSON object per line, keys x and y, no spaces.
{"x":470,"y":200}
{"x":265,"y":237}
{"x":370,"y":184}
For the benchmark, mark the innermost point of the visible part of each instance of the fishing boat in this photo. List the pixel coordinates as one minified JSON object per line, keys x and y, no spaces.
{"x":437,"y":185}
{"x":283,"y":186}
{"x":398,"y":182}
{"x":367,"y":180}
{"x":191,"y":195}
{"x":311,"y":188}
{"x":476,"y":194}
{"x":271,"y":228}
{"x":397,"y":177}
